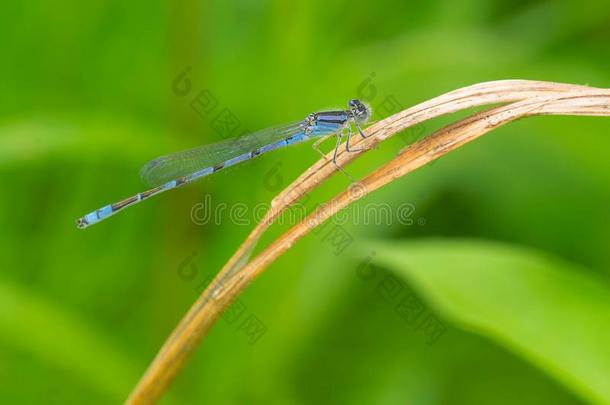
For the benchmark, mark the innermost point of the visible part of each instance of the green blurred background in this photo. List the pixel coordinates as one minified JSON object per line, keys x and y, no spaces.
{"x":508,"y":248}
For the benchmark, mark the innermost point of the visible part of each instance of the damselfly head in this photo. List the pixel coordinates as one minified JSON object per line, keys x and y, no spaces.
{"x":359,"y":110}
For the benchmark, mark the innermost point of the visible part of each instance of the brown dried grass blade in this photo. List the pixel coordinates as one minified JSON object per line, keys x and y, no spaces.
{"x":526,"y":98}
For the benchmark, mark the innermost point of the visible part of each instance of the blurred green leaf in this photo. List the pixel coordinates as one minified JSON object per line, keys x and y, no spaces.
{"x":88,"y":99}
{"x":80,"y":137}
{"x":553,"y":313}
{"x":35,"y":325}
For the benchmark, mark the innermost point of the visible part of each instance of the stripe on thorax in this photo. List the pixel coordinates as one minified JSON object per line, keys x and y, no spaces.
{"x":334,"y":117}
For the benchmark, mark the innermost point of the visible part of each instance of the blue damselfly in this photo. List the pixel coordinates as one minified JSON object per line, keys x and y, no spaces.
{"x":174,"y":170}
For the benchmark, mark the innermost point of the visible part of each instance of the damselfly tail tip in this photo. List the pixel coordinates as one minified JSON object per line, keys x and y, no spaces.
{"x":82,"y":223}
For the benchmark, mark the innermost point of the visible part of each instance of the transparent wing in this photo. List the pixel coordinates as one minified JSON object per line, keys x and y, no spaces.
{"x":169,"y":167}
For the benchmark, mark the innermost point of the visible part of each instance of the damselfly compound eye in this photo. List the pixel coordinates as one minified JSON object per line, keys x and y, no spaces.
{"x":360,"y":111}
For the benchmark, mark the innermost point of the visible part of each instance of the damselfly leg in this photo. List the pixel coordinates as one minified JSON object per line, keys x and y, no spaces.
{"x":359,"y":130}
{"x":349,"y":137}
{"x":316,"y":147}
{"x":339,"y":137}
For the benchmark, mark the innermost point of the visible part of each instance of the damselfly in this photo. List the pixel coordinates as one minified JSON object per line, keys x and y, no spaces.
{"x":174,"y":170}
